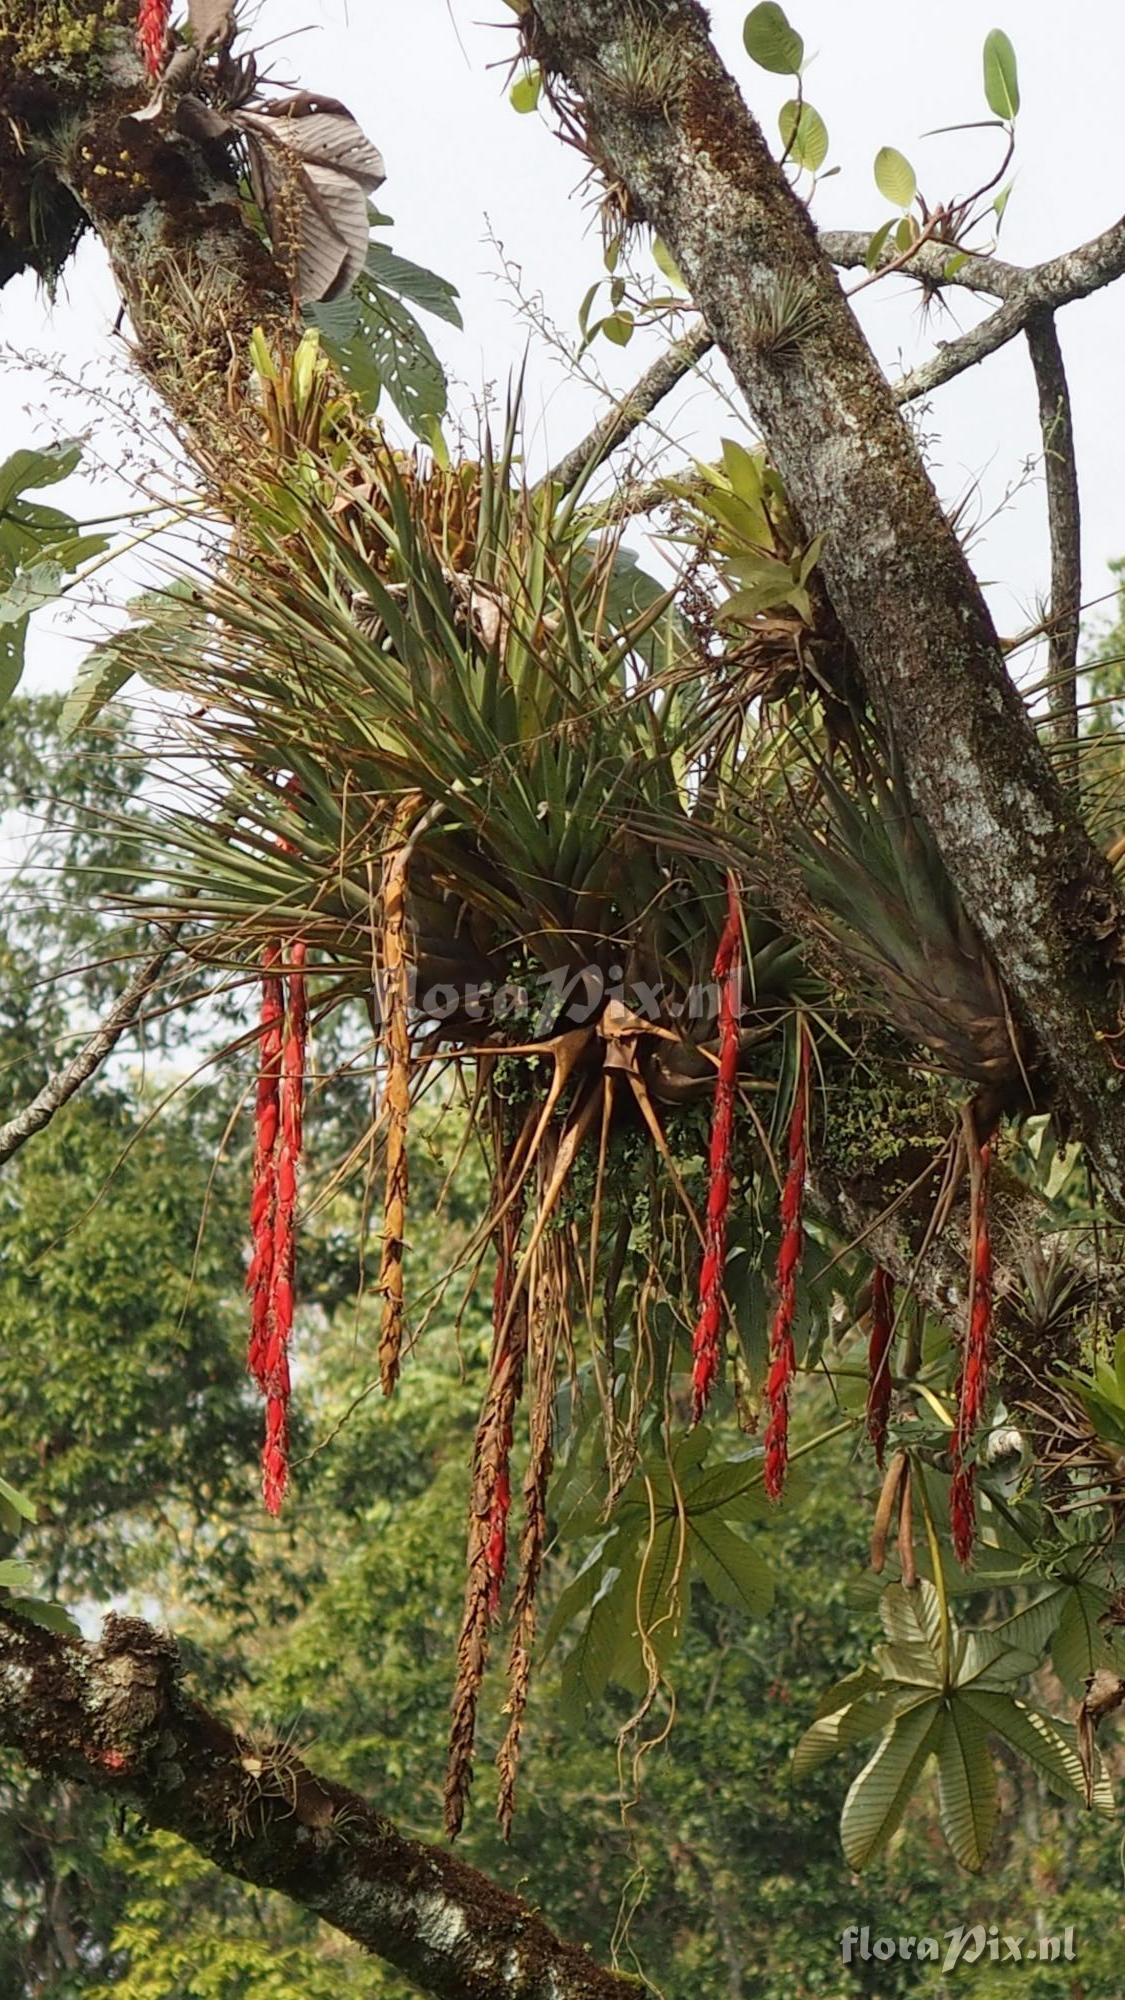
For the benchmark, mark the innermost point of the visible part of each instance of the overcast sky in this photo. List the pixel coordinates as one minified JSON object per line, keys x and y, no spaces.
{"x":427,"y":80}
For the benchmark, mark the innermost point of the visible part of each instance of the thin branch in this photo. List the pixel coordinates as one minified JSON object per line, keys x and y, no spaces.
{"x":630,"y":412}
{"x":1042,"y":289}
{"x":1064,"y":519}
{"x":116,"y":1716}
{"x":847,"y":249}
{"x":66,"y":1082}
{"x":1027,"y":293}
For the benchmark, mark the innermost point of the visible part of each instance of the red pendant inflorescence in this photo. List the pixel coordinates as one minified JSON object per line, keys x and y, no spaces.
{"x":153,"y":17}
{"x":783,"y":1353}
{"x":707,"y":1340}
{"x":273,"y":1204}
{"x":973,"y":1387}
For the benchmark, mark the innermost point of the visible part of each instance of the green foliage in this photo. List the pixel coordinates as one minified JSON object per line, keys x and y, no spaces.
{"x":895,"y":177}
{"x":1001,"y":78}
{"x":771,"y":42}
{"x":379,"y":344}
{"x":39,"y":548}
{"x":525,"y":91}
{"x":804,"y":135}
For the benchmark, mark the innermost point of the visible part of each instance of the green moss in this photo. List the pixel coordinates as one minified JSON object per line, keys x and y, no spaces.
{"x":61,"y":36}
{"x":882,"y":1122}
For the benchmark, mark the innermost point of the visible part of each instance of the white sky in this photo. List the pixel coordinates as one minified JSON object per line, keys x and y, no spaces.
{"x":427,"y":81}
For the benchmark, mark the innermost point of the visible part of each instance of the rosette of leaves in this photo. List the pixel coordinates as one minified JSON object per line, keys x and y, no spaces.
{"x":869,"y":884}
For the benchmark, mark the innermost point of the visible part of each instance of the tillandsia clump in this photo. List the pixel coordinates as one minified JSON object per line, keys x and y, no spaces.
{"x":473,"y":774}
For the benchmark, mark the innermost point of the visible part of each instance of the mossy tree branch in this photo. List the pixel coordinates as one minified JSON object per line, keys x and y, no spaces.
{"x":116,"y":1716}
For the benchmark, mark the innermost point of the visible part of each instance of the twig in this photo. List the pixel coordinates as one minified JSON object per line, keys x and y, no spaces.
{"x":66,"y":1082}
{"x":630,"y":412}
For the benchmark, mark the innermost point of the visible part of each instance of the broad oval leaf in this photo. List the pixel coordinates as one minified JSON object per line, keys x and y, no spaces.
{"x":770,"y":40}
{"x":804,"y":135}
{"x":525,"y":91}
{"x":895,"y":177}
{"x":1001,"y":77}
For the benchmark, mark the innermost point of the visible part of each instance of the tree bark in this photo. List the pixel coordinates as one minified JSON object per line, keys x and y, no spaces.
{"x":697,"y":168}
{"x":116,"y":1716}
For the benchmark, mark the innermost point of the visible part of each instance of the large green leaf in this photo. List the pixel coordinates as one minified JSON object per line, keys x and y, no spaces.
{"x":39,"y":548}
{"x":852,"y":1723}
{"x":731,"y":1568}
{"x":879,"y":1796}
{"x":966,"y":1784}
{"x":1046,"y":1744}
{"x":413,"y":281}
{"x":771,"y":42}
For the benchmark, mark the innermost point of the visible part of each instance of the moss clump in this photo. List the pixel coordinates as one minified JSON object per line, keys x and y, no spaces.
{"x":876,"y":1123}
{"x":59,"y":37}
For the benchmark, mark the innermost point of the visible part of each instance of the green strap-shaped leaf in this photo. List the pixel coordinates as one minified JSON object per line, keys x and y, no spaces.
{"x":966,"y":1785}
{"x":879,"y":1796}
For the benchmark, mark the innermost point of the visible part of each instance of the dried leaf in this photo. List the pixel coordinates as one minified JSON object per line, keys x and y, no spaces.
{"x":313,"y":169}
{"x":210,"y":21}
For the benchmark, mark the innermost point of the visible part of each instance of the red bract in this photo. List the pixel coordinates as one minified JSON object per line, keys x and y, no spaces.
{"x":879,"y":1359}
{"x":707,"y":1339}
{"x":973,"y":1387}
{"x":783,"y":1363}
{"x":277,"y":1152}
{"x":152,"y":32}
{"x":263,"y":1199}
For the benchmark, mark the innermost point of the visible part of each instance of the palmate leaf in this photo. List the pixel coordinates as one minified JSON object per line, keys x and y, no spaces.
{"x":379,"y":344}
{"x":858,"y":1718}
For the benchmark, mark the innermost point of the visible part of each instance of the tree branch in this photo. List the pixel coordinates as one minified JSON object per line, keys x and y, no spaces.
{"x":1065,"y":524}
{"x":1032,"y":290}
{"x":116,"y":1716}
{"x":700,"y":173}
{"x":67,"y":1081}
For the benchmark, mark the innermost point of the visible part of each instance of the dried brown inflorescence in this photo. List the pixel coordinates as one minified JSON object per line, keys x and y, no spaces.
{"x":879,"y":1359}
{"x":783,"y":1354}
